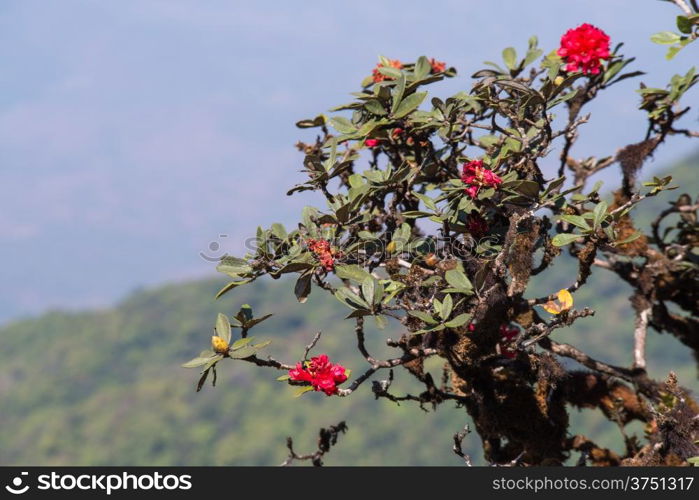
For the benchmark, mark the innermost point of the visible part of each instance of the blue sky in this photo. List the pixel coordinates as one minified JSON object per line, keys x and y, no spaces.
{"x":134,"y":133}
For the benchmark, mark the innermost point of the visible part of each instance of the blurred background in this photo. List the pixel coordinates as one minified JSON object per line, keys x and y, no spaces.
{"x":140,"y":140}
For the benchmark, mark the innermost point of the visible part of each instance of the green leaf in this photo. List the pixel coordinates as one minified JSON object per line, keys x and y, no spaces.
{"x":425,"y":317}
{"x":599,"y":212}
{"x":665,"y":38}
{"x":398,"y":91}
{"x":240,"y":343}
{"x":564,"y":239}
{"x":435,"y":328}
{"x":509,"y":55}
{"x":631,"y":238}
{"x":315,"y":122}
{"x":233,"y":267}
{"x":368,"y":289}
{"x":429,"y":202}
{"x":283,"y":378}
{"x":351,"y":299}
{"x":576,"y":220}
{"x":342,"y":125}
{"x":302,"y":289}
{"x":197,"y":362}
{"x":390,"y":72}
{"x":231,"y":286}
{"x":223,"y":327}
{"x":447,"y":307}
{"x":458,"y":321}
{"x":409,"y":104}
{"x":374,"y":106}
{"x":351,"y":272}
{"x":243,"y":352}
{"x":279,"y":231}
{"x":684,"y":25}
{"x":422,"y":68}
{"x":302,"y":390}
{"x":459,"y":280}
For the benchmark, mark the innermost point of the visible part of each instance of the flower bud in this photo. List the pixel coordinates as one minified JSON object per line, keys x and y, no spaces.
{"x":220,"y":346}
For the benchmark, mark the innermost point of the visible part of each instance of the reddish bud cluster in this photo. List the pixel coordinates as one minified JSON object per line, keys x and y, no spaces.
{"x":476,"y":175}
{"x":320,"y":373}
{"x":583,"y":49}
{"x":378,"y":76}
{"x":325,"y":253}
{"x":437,"y":66}
{"x":395,"y":134}
{"x":508,"y":335}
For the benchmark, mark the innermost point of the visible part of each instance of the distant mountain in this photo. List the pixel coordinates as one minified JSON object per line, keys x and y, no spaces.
{"x":106,"y":388}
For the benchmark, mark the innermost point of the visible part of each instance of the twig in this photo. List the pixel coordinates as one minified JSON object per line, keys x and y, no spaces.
{"x":683,"y":5}
{"x":327,"y":438}
{"x":458,"y":445}
{"x":639,"y":338}
{"x":311,"y":345}
{"x":568,"y":351}
{"x":565,"y":319}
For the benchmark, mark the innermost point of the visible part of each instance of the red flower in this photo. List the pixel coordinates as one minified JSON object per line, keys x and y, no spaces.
{"x":371,"y":143}
{"x":378,"y":76}
{"x":583,"y":49}
{"x":476,"y":175}
{"x":324,"y":252}
{"x":437,"y":66}
{"x":397,"y":132}
{"x":508,"y":335}
{"x":320,"y":373}
{"x":477,"y":225}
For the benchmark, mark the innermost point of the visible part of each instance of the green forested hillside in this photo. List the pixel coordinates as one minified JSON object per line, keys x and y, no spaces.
{"x":106,"y":387}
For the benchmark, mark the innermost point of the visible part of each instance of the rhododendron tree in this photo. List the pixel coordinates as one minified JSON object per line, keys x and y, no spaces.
{"x":440,"y":211}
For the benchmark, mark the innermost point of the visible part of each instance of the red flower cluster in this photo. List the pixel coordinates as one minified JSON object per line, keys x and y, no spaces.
{"x":320,"y":373}
{"x":437,"y":66}
{"x":583,"y":49}
{"x":508,"y":335}
{"x":477,"y":225}
{"x":476,"y":175}
{"x":378,"y":76}
{"x":325,"y":253}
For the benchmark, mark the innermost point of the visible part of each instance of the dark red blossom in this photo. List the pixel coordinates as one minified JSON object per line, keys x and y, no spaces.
{"x":320,"y":373}
{"x":380,"y":77}
{"x":507,"y":335}
{"x":476,"y":225}
{"x":371,"y":143}
{"x":584,"y":48}
{"x":475,"y":175}
{"x":437,"y":66}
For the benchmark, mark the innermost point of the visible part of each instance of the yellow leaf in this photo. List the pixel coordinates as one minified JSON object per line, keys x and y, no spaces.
{"x":563,"y":303}
{"x":565,"y":298}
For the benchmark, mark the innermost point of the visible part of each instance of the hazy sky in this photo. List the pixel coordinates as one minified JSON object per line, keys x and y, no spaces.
{"x":134,"y":133}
